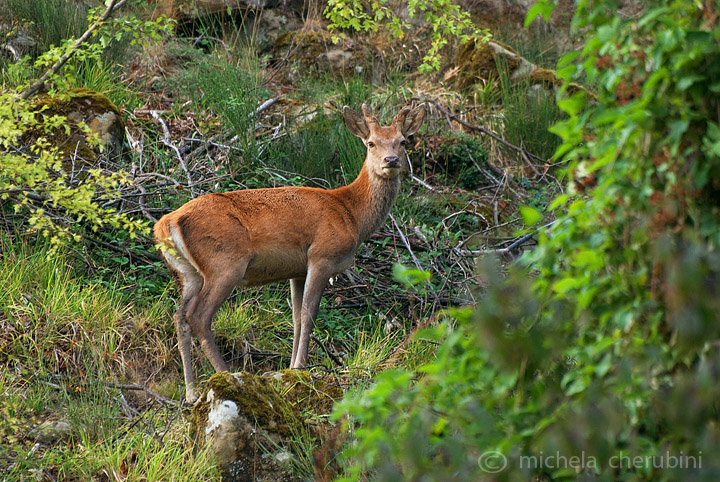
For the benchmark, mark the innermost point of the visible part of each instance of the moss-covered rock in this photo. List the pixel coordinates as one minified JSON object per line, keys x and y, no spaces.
{"x":79,"y":106}
{"x":238,"y":414}
{"x":479,"y":61}
{"x":309,"y":394}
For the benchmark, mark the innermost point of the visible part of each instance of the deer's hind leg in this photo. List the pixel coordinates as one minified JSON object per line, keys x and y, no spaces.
{"x":216,"y":288}
{"x":189,"y":282}
{"x":297,"y":288}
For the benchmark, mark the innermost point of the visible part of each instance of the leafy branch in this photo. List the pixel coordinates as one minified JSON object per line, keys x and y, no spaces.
{"x":446,"y":19}
{"x":112,"y":6}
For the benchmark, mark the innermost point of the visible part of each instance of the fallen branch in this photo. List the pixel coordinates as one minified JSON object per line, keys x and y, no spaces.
{"x":514,"y":245}
{"x":133,"y":386}
{"x":406,"y":243}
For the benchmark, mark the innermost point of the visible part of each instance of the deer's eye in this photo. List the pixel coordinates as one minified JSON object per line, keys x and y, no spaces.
{"x":371,"y":144}
{"x":403,"y":142}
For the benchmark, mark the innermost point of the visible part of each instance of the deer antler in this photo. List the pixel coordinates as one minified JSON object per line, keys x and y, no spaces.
{"x":370,"y":119}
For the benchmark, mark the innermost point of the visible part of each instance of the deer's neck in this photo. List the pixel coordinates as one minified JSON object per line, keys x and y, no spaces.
{"x":370,"y":198}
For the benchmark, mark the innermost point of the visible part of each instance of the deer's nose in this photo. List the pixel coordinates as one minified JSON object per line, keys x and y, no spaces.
{"x":392,"y":161}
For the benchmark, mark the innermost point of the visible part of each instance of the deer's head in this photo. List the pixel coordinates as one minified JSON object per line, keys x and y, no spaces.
{"x":386,"y":156}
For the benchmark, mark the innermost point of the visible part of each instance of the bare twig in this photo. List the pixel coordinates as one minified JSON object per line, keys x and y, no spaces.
{"x":424,"y":184}
{"x":133,"y":386}
{"x":515,"y":244}
{"x":143,"y":208}
{"x":338,"y":361}
{"x":167,"y":142}
{"x":265,"y":105}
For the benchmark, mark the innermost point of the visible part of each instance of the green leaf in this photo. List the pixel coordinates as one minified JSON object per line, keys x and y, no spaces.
{"x":530,"y":215}
{"x":587,"y":258}
{"x":565,"y":285}
{"x":578,"y":385}
{"x":410,"y":276}
{"x":573,"y":105}
{"x":560,"y":200}
{"x":677,"y":129}
{"x":685,"y":82}
{"x":604,"y":366}
{"x":541,"y":7}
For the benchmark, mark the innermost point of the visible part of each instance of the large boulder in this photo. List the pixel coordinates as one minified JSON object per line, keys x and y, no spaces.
{"x":80,"y":107}
{"x":247,"y":420}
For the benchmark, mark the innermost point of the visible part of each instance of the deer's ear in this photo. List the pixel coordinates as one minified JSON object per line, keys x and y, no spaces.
{"x":355,"y":122}
{"x":413,"y":121}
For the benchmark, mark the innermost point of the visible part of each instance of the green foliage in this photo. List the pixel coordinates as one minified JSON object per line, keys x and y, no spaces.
{"x":33,"y":175}
{"x":447,"y":20}
{"x":460,"y":155}
{"x":605,"y":363}
{"x":36,"y":181}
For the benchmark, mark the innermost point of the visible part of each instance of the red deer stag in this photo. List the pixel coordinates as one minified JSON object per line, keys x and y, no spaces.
{"x":257,"y":236}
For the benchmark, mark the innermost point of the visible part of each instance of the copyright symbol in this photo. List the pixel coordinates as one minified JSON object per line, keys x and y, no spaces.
{"x":492,"y":462}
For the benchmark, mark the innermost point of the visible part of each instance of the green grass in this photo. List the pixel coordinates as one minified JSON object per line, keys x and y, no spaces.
{"x":105,"y":76}
{"x":46,"y":314}
{"x":232,"y":92}
{"x":528,"y":112}
{"x":538,"y":44}
{"x":50,"y":21}
{"x":64,"y":343}
{"x":319,"y":148}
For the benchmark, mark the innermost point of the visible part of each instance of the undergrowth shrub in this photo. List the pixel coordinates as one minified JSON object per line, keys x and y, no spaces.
{"x":461,"y":157}
{"x":605,"y":363}
{"x":35,"y":185}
